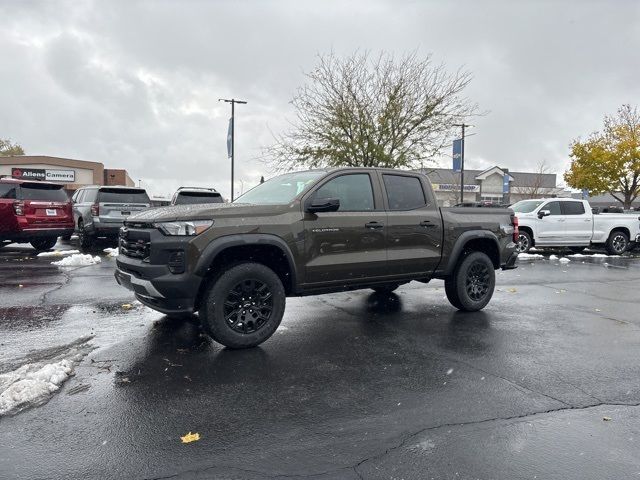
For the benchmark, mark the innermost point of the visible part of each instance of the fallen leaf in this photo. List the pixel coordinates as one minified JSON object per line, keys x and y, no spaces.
{"x":127,"y":306}
{"x":606,"y":419}
{"x":598,"y":310}
{"x":190,"y":437}
{"x":511,"y":290}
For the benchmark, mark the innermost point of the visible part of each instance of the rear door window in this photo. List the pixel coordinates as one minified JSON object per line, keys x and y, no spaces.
{"x":404,"y":192}
{"x":191,"y":198}
{"x":122,"y":195}
{"x":43,"y":191}
{"x":573,"y":208}
{"x":7,"y":190}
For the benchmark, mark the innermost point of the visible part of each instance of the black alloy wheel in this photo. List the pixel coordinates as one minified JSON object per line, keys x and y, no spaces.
{"x":243,"y":305}
{"x":248,"y":306}
{"x":477,"y":281}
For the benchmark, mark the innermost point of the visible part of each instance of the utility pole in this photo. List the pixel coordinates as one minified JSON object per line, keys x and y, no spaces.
{"x":233,"y":102}
{"x":463,"y":125}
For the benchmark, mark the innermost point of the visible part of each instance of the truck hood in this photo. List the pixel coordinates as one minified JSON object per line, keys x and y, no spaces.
{"x":205,"y":212}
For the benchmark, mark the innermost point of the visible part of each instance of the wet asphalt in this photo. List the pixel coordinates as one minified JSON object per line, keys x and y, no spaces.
{"x":544,"y":383}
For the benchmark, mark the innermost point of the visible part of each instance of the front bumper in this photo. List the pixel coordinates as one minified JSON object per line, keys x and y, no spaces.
{"x":152,"y":280}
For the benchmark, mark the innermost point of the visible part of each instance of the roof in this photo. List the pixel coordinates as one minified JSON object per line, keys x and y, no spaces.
{"x":520,"y":179}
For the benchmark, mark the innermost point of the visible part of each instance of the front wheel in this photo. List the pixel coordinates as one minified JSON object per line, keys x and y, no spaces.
{"x":471,"y":286}
{"x":524,"y":242}
{"x":42,"y":244}
{"x":617,"y":243}
{"x":243,"y":307}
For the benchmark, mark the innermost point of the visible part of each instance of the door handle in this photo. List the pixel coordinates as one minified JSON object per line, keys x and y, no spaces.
{"x":427,"y":224}
{"x":373,"y":225}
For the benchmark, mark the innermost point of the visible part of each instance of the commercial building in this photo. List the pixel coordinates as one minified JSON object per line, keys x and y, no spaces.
{"x":73,"y":174}
{"x":487,"y":185}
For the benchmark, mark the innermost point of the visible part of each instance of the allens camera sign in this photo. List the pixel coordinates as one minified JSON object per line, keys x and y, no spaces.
{"x":26,"y":173}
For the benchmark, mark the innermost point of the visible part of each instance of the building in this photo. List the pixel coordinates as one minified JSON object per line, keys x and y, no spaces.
{"x":607,"y":200}
{"x":73,"y":174}
{"x":487,"y":185}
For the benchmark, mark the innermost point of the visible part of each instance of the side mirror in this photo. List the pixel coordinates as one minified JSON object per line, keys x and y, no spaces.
{"x":544,"y":213}
{"x":323,"y":205}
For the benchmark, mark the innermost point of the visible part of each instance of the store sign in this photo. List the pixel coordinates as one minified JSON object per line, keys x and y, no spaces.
{"x":449,"y":187}
{"x":67,"y":176}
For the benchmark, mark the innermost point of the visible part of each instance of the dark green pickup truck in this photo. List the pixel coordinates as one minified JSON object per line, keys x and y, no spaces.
{"x":308,"y":233}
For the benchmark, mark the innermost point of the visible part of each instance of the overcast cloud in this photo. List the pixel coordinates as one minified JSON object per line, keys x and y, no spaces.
{"x":135,"y":84}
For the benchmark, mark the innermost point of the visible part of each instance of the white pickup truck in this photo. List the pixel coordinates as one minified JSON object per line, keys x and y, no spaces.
{"x":567,"y":222}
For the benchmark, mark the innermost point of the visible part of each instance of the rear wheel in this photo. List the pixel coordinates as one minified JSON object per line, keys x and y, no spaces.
{"x":386,"y":288}
{"x":524,"y":242}
{"x":41,"y":244}
{"x":243,"y":307}
{"x":617,"y":243}
{"x":471,"y":286}
{"x":84,"y":238}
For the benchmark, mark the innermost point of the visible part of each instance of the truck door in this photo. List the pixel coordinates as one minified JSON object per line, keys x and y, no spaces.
{"x":578,"y":223}
{"x":550,"y":229}
{"x":414,"y":226}
{"x":349,"y":244}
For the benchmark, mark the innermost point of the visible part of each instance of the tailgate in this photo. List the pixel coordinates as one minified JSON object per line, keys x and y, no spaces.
{"x":47,"y":214}
{"x":117,"y":212}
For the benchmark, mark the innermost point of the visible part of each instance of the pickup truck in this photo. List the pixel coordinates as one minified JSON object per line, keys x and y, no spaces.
{"x":570,"y":223}
{"x":307,"y":233}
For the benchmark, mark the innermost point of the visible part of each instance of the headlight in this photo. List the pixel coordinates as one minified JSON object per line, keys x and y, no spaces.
{"x":190,"y":228}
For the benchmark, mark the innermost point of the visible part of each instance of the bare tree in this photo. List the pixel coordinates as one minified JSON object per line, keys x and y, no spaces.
{"x":536,"y":189}
{"x":372,"y":111}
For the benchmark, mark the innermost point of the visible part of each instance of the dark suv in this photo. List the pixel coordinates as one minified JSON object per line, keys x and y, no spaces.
{"x":34,"y":212}
{"x":100,"y":211}
{"x":195,"y":195}
{"x":307,"y":233}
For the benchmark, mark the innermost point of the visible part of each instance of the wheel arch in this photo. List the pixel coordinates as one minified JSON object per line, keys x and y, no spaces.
{"x":268,"y":250}
{"x":624,"y":230}
{"x":474,"y":241}
{"x":529,"y":230}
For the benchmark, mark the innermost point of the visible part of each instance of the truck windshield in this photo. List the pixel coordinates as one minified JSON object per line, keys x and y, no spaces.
{"x":526,"y":206}
{"x":281,"y":189}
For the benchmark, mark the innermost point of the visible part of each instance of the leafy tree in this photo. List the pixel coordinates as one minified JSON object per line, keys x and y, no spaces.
{"x":7,"y":148}
{"x":372,"y":111}
{"x":609,"y":161}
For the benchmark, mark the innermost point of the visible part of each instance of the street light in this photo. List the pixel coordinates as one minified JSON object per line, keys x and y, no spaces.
{"x":233,"y":102}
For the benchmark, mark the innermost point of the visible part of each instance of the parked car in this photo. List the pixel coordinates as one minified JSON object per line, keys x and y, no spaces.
{"x":100,"y":211}
{"x":34,"y":212}
{"x":307,"y":233}
{"x":567,"y":222}
{"x":195,"y":195}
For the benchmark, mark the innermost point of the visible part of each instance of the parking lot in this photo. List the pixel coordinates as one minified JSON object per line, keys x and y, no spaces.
{"x":540,"y":384}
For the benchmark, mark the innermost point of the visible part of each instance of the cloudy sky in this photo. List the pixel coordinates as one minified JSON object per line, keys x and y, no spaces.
{"x":134,"y":84}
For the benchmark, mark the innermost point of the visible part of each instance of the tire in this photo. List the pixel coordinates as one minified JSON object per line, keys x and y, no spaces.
{"x":386,"y":288}
{"x":524,"y":242}
{"x":42,"y":244}
{"x":576,"y":249}
{"x":228,"y":312}
{"x":84,"y":239}
{"x":617,"y":243}
{"x":472,"y":284}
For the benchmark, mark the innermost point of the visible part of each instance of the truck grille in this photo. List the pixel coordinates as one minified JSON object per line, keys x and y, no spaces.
{"x":135,"y":243}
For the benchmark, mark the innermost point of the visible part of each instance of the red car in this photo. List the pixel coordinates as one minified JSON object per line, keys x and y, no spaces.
{"x":35,"y":212}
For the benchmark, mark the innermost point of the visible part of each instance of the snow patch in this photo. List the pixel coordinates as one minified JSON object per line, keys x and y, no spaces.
{"x":58,"y":253}
{"x":111,"y":252}
{"x":530,"y":255}
{"x":77,"y":260}
{"x":564,"y":260}
{"x":553,"y":257}
{"x":577,"y":255}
